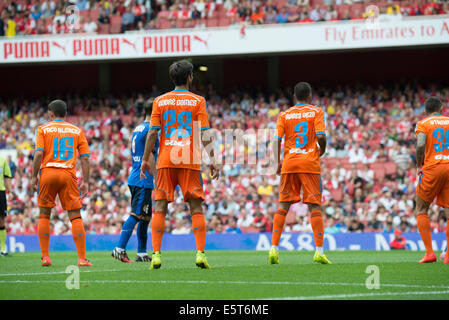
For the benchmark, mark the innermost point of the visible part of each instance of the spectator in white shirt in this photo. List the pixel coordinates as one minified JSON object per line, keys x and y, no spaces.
{"x":301,"y":225}
{"x":180,"y":228}
{"x":244,"y":220}
{"x":59,"y":17}
{"x":315,"y":14}
{"x":387,"y":200}
{"x":366,"y":174}
{"x":90,"y":26}
{"x":339,"y":172}
{"x":356,"y":154}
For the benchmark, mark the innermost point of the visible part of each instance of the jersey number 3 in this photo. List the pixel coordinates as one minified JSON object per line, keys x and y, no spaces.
{"x":442,"y":140}
{"x":301,"y":129}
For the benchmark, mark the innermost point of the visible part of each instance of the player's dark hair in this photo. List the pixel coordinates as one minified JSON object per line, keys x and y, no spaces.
{"x":148,"y":107}
{"x":58,"y":107}
{"x":433,"y":104}
{"x":302,"y":91}
{"x":179,"y":71}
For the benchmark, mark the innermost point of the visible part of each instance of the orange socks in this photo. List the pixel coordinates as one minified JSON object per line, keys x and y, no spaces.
{"x":79,"y":236}
{"x":424,"y":229}
{"x":278,"y":226}
{"x":317,"y":226}
{"x":43,"y":230}
{"x":199,"y":230}
{"x":157,"y":230}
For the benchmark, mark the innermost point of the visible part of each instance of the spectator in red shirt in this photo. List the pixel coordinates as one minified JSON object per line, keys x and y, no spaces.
{"x":305,"y":18}
{"x":258,"y":16}
{"x":399,"y":242}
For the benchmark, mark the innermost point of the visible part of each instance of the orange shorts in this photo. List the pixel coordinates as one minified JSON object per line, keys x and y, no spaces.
{"x":189,"y":180}
{"x":54,"y":181}
{"x":292,"y":183}
{"x":434,"y":182}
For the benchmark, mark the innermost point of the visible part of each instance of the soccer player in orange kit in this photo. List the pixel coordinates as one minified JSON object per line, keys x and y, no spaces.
{"x":303,"y":128}
{"x":432,"y":161}
{"x":57,"y":144}
{"x":181,"y":116}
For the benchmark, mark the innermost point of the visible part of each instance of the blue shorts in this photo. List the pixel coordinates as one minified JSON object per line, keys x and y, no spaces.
{"x":141,"y":203}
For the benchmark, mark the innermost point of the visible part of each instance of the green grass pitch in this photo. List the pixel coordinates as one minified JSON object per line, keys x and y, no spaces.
{"x":234,"y":275}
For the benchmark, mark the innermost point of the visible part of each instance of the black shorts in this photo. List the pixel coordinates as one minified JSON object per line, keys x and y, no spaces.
{"x":141,"y":203}
{"x":3,"y":206}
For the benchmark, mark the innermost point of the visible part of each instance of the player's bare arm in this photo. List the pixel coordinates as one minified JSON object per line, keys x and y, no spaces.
{"x":85,"y":168}
{"x":206,"y":139}
{"x":277,"y":155}
{"x":149,"y":145}
{"x":420,"y":149}
{"x":152,"y":163}
{"x":321,"y":138}
{"x":38,"y":155}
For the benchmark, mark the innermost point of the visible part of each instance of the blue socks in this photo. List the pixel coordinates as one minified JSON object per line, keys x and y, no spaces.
{"x":127,"y":231}
{"x":142,"y":235}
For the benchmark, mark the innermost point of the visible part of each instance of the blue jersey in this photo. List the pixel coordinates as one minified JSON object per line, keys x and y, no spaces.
{"x":138,"y":147}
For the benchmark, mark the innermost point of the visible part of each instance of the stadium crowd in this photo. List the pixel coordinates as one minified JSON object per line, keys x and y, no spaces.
{"x":29,"y":17}
{"x":368,"y":129}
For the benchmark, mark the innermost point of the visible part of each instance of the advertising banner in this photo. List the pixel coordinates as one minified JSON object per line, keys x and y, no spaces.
{"x":244,"y":241}
{"x":235,"y":40}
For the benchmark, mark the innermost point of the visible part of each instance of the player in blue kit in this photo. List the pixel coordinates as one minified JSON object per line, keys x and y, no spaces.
{"x":141,"y":191}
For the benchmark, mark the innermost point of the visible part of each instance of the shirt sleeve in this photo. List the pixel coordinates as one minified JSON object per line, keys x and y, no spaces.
{"x":40,"y":139}
{"x":155,"y":122}
{"x":280,"y":127}
{"x":83,"y":146}
{"x":320,"y":126}
{"x":7,"y":170}
{"x":420,"y":127}
{"x":203,"y":118}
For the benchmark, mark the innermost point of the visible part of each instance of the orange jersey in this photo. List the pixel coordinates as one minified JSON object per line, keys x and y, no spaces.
{"x":436,"y":128}
{"x":180,"y":115}
{"x":60,"y":142}
{"x":300,"y":125}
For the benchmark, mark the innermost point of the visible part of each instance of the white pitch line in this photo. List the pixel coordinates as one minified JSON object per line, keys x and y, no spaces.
{"x":359,"y":295}
{"x":51,"y":273}
{"x":236,"y":283}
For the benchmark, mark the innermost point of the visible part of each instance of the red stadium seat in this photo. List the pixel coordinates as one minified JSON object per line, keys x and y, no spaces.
{"x":250,"y":229}
{"x":390,"y":167}
{"x":379,"y":172}
{"x":221,"y":13}
{"x":336,"y":194}
{"x":116,"y":19}
{"x":94,"y":14}
{"x":84,"y":14}
{"x":103,"y":28}
{"x":180,"y":23}
{"x":376,"y":165}
{"x":115,"y":28}
{"x":224,"y":22}
{"x":164,"y":24}
{"x":210,"y":23}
